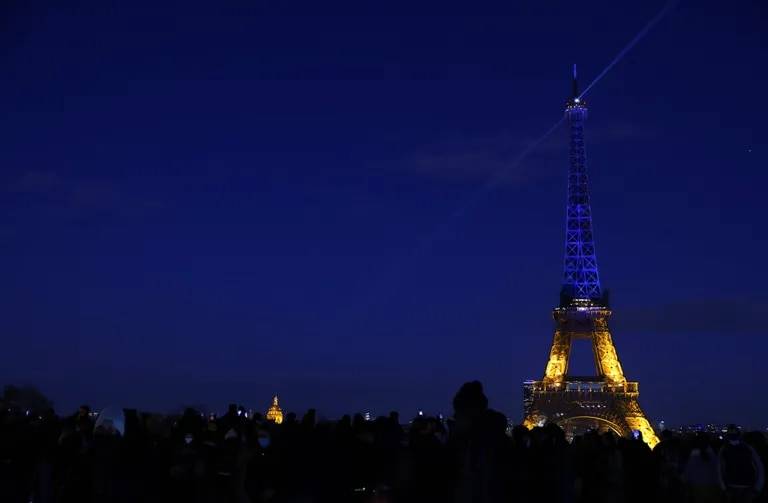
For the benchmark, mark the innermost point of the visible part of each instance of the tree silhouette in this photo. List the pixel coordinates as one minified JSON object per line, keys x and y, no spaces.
{"x":25,"y":398}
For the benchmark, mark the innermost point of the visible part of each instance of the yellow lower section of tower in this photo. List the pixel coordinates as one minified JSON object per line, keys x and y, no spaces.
{"x":641,"y":424}
{"x":592,"y":323}
{"x":557,"y":365}
{"x":634,"y":420}
{"x":605,"y":353}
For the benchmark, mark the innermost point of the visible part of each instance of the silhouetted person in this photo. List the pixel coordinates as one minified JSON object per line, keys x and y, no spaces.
{"x":552,"y":477}
{"x":702,"y":472}
{"x":742,"y":473}
{"x":470,"y":457}
{"x":669,"y":458}
{"x":638,"y":468}
{"x":478,"y":447}
{"x":261,"y":474}
{"x":45,"y":430}
{"x":229,"y":421}
{"x":104,"y":458}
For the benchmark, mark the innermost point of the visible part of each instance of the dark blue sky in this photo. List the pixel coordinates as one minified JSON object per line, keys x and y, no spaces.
{"x":216,"y":201}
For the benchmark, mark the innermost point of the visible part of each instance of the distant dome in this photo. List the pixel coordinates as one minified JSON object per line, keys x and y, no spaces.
{"x":275,"y":413}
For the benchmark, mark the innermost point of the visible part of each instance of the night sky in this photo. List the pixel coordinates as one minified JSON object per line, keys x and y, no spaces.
{"x":217,"y":201}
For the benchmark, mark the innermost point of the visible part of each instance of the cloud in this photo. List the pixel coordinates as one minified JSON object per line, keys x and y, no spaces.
{"x":480,"y":159}
{"x":37,"y":182}
{"x":50,"y":188}
{"x":462,"y":161}
{"x":734,"y":316}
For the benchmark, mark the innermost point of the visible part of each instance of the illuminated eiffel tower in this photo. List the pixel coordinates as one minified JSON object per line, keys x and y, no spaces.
{"x":605,"y":401}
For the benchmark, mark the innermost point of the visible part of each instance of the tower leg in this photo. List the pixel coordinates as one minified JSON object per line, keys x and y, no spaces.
{"x":557,"y":365}
{"x":605,"y":354}
{"x":636,"y":421}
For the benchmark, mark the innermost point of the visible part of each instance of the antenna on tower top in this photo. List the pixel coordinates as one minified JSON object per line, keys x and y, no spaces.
{"x":575,"y":83}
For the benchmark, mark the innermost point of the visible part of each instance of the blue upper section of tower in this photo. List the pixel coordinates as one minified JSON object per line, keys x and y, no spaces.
{"x":581,"y":280}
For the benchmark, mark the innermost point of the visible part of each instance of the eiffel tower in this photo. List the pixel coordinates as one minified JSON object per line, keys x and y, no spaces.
{"x":605,"y":401}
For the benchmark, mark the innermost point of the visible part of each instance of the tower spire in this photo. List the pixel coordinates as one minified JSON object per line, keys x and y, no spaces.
{"x":580,"y":275}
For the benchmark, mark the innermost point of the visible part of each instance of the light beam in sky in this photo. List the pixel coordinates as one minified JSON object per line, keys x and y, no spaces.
{"x":496,"y":178}
{"x":642,"y":33}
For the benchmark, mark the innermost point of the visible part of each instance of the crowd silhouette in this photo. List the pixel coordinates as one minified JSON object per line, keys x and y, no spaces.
{"x":471,"y":457}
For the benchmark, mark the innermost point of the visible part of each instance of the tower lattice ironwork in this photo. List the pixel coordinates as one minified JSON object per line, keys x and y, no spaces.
{"x":606,"y":400}
{"x":580,"y":277}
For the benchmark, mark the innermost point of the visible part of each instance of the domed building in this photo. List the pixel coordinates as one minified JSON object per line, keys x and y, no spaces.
{"x":275,"y":413}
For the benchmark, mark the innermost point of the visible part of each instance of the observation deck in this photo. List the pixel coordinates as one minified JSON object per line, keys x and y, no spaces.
{"x":588,"y":386}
